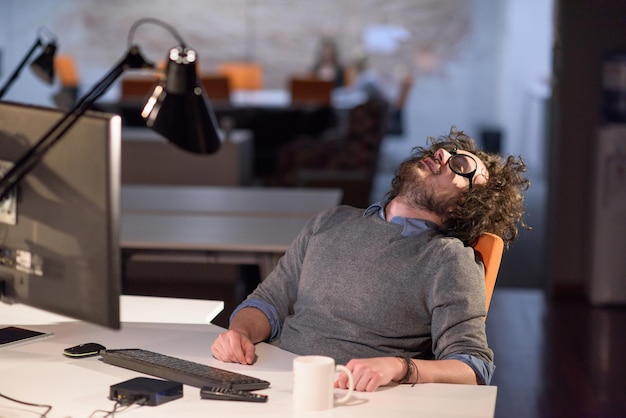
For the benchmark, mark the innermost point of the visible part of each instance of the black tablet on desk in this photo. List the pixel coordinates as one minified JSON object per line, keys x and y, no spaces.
{"x":15,"y":335}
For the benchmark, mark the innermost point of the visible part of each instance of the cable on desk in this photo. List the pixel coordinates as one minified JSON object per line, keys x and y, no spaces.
{"x":49,"y":407}
{"x":123,"y":403}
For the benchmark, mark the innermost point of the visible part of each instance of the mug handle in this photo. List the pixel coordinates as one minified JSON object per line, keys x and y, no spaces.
{"x":344,"y":369}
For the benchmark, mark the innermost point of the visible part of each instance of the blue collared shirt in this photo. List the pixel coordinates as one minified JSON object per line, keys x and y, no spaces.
{"x":411,"y":227}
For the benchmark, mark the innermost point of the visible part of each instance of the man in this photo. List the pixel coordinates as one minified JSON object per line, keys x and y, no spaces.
{"x":395,"y":292}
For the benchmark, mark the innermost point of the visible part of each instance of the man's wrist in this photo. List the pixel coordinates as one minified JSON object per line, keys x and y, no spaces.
{"x":408,"y":370}
{"x":237,"y":329}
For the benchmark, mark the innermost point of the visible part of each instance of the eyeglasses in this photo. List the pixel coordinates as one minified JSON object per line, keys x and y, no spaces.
{"x":463,"y":165}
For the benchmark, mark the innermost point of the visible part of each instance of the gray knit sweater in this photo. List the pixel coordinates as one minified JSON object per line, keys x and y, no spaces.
{"x":351,"y":286}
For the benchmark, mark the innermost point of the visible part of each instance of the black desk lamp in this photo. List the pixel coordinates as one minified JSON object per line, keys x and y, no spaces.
{"x":43,"y":66}
{"x":178,"y":108}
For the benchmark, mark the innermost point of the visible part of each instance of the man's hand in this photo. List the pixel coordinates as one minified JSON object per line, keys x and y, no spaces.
{"x":249,"y":326}
{"x":233,"y":347}
{"x":371,"y":373}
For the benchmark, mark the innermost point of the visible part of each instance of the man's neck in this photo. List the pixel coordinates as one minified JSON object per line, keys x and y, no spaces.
{"x":398,"y":206}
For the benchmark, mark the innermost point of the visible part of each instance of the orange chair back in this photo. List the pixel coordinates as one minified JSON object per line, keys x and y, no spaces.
{"x":65,"y":68}
{"x":138,"y":87}
{"x":305,"y":90}
{"x":217,"y":87}
{"x":490,"y":248}
{"x":242,"y":75}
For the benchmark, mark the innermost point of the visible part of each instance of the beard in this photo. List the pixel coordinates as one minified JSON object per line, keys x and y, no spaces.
{"x":422,"y":194}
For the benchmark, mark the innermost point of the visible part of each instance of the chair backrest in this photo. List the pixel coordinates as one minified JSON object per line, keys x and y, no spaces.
{"x":67,"y":73}
{"x":136,"y":87}
{"x":242,"y":75}
{"x":405,"y":88}
{"x":217,"y":87}
{"x":490,"y":248}
{"x":310,"y":91}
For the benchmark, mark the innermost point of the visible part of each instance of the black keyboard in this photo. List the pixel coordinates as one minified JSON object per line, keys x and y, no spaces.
{"x":179,"y":370}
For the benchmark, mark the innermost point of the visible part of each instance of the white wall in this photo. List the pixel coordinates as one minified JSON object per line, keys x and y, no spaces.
{"x":20,"y":21}
{"x":463,"y":91}
{"x":525,"y":84}
{"x":500,"y":80}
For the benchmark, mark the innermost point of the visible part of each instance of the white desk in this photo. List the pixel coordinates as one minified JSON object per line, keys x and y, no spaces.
{"x":216,"y":225}
{"x":341,"y":98}
{"x":38,"y":373}
{"x":132,"y":309}
{"x":265,"y":98}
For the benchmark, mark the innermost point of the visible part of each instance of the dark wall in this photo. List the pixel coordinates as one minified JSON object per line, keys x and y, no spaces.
{"x":586,"y":30}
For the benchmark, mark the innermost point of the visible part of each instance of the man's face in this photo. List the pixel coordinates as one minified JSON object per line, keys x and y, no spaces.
{"x":435,"y":186}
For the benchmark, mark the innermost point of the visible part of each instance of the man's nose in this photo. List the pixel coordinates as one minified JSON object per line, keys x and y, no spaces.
{"x":442,"y":156}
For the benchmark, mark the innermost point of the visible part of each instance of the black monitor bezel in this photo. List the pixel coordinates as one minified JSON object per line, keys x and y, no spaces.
{"x":107,"y":128}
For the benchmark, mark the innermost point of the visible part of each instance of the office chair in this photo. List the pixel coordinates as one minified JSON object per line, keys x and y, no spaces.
{"x":337,"y":159}
{"x":217,"y":87}
{"x":395,"y":125}
{"x":66,"y":70}
{"x":242,"y":75}
{"x":490,"y":248}
{"x":310,"y":91}
{"x":69,"y":80}
{"x":137,"y":87}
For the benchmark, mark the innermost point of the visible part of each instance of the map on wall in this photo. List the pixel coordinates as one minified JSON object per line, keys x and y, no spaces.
{"x":412,"y":35}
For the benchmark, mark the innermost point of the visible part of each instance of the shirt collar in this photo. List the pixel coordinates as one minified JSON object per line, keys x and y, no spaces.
{"x":410,"y":226}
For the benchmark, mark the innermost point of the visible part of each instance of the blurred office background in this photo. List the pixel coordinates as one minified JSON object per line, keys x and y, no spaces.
{"x":521,"y":76}
{"x":483,"y":66}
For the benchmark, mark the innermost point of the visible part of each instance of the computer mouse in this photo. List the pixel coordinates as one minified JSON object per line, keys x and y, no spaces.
{"x":84,"y":350}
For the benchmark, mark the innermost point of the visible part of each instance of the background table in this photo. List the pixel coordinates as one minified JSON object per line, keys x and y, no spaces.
{"x":273,"y":202}
{"x":267,"y":114}
{"x":148,"y":158}
{"x":216,"y":224}
{"x":38,"y":373}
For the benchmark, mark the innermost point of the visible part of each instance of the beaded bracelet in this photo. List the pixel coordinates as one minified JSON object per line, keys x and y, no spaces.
{"x":409,"y":369}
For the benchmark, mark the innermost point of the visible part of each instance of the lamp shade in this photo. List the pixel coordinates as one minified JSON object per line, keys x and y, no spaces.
{"x":178,"y":108}
{"x":43,"y":66}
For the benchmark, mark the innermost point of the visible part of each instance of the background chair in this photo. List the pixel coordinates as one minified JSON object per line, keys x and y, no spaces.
{"x":310,"y":91}
{"x":69,"y":80}
{"x":490,"y":248}
{"x":395,"y":125}
{"x":345,"y":159}
{"x":217,"y":87}
{"x":137,"y":87}
{"x":242,"y":75}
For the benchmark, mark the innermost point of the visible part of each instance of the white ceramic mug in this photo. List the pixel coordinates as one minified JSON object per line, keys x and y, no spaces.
{"x":313,"y":378}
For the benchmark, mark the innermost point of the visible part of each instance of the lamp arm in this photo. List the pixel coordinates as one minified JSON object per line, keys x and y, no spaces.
{"x":31,"y":158}
{"x":169,"y":28}
{"x":19,"y":68}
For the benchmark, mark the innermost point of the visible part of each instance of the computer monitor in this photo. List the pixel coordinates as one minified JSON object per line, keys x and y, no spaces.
{"x":59,"y":232}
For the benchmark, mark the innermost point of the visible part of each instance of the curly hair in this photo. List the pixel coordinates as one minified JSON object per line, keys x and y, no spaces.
{"x":496,"y":207}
